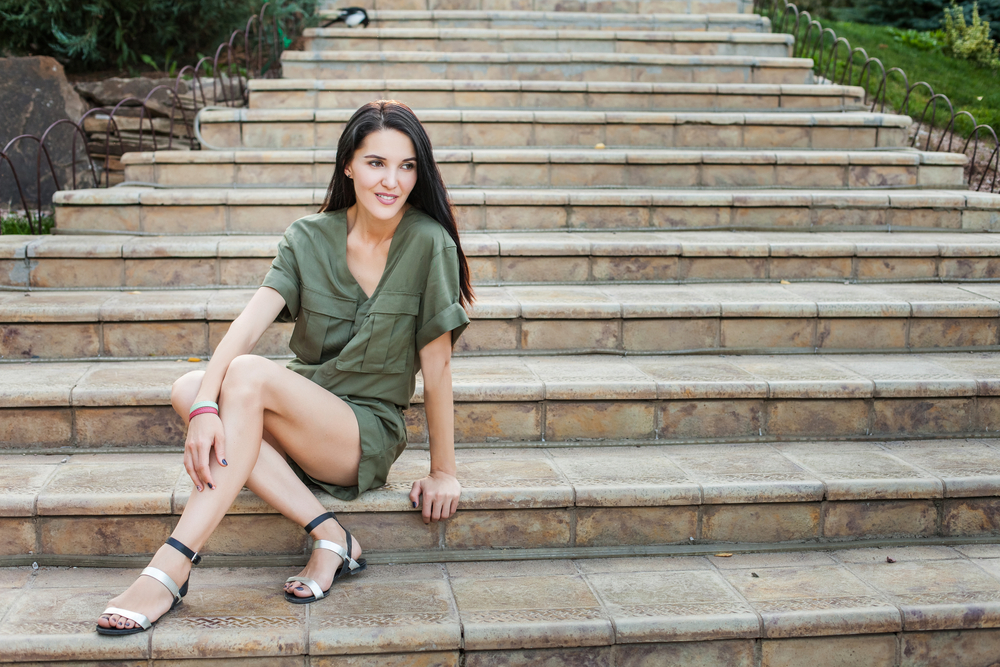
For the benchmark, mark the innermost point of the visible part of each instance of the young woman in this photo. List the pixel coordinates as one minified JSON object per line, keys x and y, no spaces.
{"x":376,"y":284}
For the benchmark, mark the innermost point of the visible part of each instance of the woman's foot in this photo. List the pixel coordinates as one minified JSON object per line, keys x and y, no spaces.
{"x":324,"y":564}
{"x":146,"y":595}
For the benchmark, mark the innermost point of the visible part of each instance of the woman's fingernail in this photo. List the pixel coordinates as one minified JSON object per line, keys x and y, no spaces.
{"x":414,"y":505}
{"x":211,"y":487}
{"x":224,"y":462}
{"x":200,"y":489}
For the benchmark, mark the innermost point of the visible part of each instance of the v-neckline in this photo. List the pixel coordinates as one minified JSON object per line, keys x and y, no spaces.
{"x":365,"y":297}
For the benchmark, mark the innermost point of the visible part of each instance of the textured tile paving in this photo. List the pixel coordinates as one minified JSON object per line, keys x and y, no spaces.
{"x":615,"y":611}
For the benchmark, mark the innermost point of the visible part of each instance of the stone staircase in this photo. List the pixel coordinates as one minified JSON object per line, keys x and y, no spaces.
{"x":722,"y":309}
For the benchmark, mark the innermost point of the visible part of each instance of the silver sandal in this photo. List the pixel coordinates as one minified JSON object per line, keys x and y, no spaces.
{"x":143,"y":623}
{"x":349,"y":566}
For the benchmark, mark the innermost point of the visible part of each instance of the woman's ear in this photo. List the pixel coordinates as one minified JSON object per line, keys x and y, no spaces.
{"x":347,"y":172}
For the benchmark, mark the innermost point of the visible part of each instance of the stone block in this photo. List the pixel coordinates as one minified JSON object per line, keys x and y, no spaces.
{"x":392,"y":531}
{"x":971,"y":517}
{"x":635,"y":526}
{"x":50,"y":341}
{"x":170,"y":272}
{"x":615,"y":269}
{"x":682,"y":217}
{"x":953,"y":332}
{"x":860,"y":333}
{"x":35,"y":428}
{"x":767,"y":333}
{"x":811,"y":268}
{"x":486,"y":422}
{"x":956,"y":648}
{"x":129,"y":427}
{"x":896,"y":268}
{"x":544,"y":269}
{"x":571,"y":335}
{"x":522,"y":529}
{"x":526,"y":217}
{"x":71,"y":272}
{"x":724,"y":653}
{"x":597,"y":420}
{"x":104,"y":536}
{"x":923,"y":417}
{"x":776,"y":136}
{"x":670,"y":335}
{"x":887,"y":518}
{"x":156,"y":339}
{"x":609,"y":217}
{"x":824,"y":418}
{"x":856,"y":651}
{"x":689,"y":420}
{"x":251,"y":534}
{"x":770,"y":522}
{"x":722,"y":268}
{"x":17,"y":536}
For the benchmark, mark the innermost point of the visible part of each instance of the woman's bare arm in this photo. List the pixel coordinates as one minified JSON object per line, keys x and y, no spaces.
{"x":206,"y":431}
{"x":440,"y":488}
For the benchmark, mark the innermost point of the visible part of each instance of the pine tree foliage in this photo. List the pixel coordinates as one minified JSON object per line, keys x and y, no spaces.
{"x":98,"y":34}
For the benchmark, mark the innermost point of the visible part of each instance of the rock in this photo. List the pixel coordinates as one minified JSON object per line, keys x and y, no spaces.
{"x":34,"y":93}
{"x":109,"y":92}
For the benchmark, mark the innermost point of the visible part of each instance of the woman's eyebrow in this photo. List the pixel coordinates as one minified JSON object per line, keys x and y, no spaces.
{"x":379,"y":157}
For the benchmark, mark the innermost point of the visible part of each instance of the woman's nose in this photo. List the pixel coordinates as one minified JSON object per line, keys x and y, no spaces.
{"x":389,"y":178}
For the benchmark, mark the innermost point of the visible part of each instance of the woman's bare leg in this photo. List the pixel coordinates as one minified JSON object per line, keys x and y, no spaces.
{"x":259,"y":396}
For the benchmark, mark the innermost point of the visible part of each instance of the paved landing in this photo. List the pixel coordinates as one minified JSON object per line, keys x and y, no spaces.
{"x":937,"y":604}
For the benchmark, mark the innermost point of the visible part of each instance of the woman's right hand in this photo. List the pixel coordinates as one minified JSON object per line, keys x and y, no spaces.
{"x":205,"y":431}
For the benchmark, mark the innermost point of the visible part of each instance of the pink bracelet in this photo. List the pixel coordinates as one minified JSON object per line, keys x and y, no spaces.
{"x":201,"y":411}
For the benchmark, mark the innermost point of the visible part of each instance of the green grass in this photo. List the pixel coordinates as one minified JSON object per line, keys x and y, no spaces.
{"x":960,"y":80}
{"x":18,"y":224}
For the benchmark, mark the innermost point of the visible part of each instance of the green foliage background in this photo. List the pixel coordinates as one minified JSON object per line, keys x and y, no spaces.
{"x":100,"y":34}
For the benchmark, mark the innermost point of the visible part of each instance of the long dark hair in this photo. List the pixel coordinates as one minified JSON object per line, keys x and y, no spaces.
{"x":428,"y":194}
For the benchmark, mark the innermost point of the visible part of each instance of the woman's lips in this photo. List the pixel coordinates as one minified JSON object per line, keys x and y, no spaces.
{"x":386,"y":199}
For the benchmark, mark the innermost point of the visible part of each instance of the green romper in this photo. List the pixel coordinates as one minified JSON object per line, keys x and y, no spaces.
{"x":364,"y":349}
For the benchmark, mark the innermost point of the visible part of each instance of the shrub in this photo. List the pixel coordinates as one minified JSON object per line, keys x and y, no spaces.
{"x":970,"y":42}
{"x":14,"y":223}
{"x":98,"y":34}
{"x":925,"y":41}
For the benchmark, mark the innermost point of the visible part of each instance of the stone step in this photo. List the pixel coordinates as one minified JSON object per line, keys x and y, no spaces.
{"x":563,"y":399}
{"x":546,"y":67}
{"x":560,"y":499}
{"x":915,"y":606}
{"x":734,"y":318}
{"x":566,"y":95}
{"x":590,"y":6}
{"x":574,"y":168}
{"x":138,"y":210}
{"x":284,"y":129}
{"x":117,"y":262}
{"x":556,"y":20}
{"x":702,"y":43}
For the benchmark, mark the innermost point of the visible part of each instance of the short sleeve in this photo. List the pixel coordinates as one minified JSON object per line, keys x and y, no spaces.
{"x":440,"y":310}
{"x":283,"y":276}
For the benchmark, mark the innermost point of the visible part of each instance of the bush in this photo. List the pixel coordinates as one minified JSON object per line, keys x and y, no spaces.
{"x":98,"y":34}
{"x":970,"y":42}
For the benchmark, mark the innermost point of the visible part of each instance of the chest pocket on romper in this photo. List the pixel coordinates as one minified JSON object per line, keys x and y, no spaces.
{"x":386,"y":337}
{"x":323,"y":327}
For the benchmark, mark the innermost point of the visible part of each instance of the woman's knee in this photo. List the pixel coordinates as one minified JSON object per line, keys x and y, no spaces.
{"x":184,"y":391}
{"x":246,"y":376}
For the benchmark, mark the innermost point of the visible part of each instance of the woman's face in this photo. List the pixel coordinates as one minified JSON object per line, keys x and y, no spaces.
{"x":384,"y":171}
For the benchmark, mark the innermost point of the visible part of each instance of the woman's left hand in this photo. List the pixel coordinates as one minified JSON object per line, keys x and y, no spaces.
{"x":440,"y":495}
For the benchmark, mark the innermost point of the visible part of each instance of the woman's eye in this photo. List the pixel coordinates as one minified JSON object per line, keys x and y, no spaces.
{"x":376,"y":163}
{"x":409,"y":165}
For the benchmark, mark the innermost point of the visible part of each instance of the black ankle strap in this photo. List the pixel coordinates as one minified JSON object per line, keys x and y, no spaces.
{"x":192,"y":555}
{"x":311,"y":526}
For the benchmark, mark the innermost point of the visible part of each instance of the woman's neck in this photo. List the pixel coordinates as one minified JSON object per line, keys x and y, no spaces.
{"x":370,"y":229}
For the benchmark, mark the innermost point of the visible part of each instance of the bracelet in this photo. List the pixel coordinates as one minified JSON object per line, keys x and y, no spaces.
{"x":202,"y":411}
{"x":203,"y":404}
